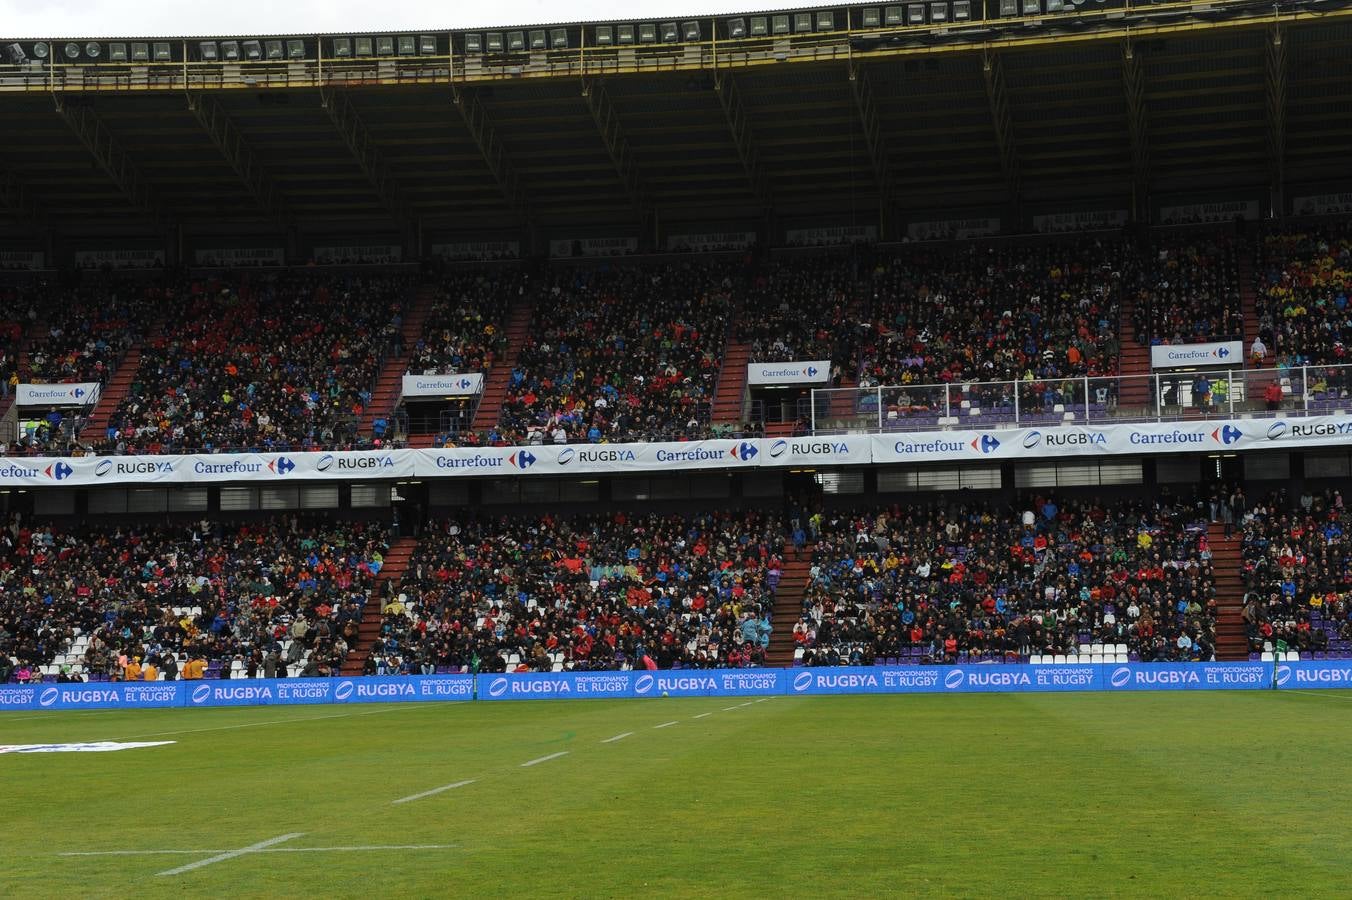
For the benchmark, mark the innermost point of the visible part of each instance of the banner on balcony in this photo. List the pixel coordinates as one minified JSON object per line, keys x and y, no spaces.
{"x":953,"y":229}
{"x":831,"y":236}
{"x":457,"y":251}
{"x":57,"y":394}
{"x":810,"y":372}
{"x":1216,"y":353}
{"x":711,"y":241}
{"x":1090,"y":220}
{"x":1322,"y":205}
{"x":611,"y":246}
{"x":119,"y":259}
{"x":22,"y":259}
{"x":461,"y":385}
{"x":1209,"y":213}
{"x":240,"y":257}
{"x":365,"y":254}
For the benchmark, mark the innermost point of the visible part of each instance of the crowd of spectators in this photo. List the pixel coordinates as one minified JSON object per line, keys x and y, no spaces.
{"x":588,"y":592}
{"x":1305,"y":278}
{"x":1295,"y":563}
{"x":85,"y":328}
{"x":621,"y":354}
{"x":1189,"y":291}
{"x":977,"y":583}
{"x":268,"y":362}
{"x":464,"y":328}
{"x":800,"y":310}
{"x":280,"y":596}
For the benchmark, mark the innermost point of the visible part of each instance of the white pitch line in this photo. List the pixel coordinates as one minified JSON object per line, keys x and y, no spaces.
{"x":702,"y":715}
{"x":536,"y":762}
{"x":231,"y":854}
{"x":1323,"y":694}
{"x":618,"y":737}
{"x":139,"y":852}
{"x":433,"y":792}
{"x":264,"y":850}
{"x":665,"y":725}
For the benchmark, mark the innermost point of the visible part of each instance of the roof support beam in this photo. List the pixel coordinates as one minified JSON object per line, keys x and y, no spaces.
{"x":491,"y":148}
{"x":607,"y":120}
{"x":730,"y":98}
{"x":994,"y":72}
{"x":874,"y":140}
{"x":1133,"y":83}
{"x":232,"y":146}
{"x":1275,"y":80}
{"x":357,"y":137}
{"x":108,"y":153}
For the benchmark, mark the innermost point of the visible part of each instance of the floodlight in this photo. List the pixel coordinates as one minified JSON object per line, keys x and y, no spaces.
{"x":690,"y":32}
{"x":760,"y":26}
{"x":962,"y":10}
{"x":295,"y":49}
{"x":625,"y":34}
{"x":1032,"y":7}
{"x":826,"y":20}
{"x":915,"y":14}
{"x":558,"y":39}
{"x":537,"y":40}
{"x":161,"y":52}
{"x":647,"y":34}
{"x":1055,"y":6}
{"x":72,"y":50}
{"x":92,"y":50}
{"x":872,"y":18}
{"x":516,"y":41}
{"x":1009,"y":7}
{"x":117,"y":52}
{"x":780,"y":24}
{"x":41,"y":50}
{"x":605,"y":36}
{"x":207,"y":50}
{"x":363,"y":46}
{"x":474,"y":43}
{"x":892,"y":15}
{"x":230,"y":50}
{"x":273,"y":50}
{"x":385,"y":46}
{"x":14,"y":55}
{"x":253,"y":51}
{"x":670,"y":33}
{"x":802,"y":22}
{"x":736,"y":28}
{"x":427,"y":44}
{"x":140,"y":52}
{"x":939,"y":13}
{"x":407,"y":45}
{"x":495,"y":42}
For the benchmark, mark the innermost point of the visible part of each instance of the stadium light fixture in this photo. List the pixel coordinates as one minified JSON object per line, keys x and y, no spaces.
{"x":230,"y":51}
{"x":161,"y":52}
{"x":253,"y":51}
{"x":516,"y":41}
{"x":938,"y":13}
{"x":625,"y":34}
{"x":14,"y":55}
{"x":536,"y":40}
{"x":117,"y":52}
{"x":41,"y":50}
{"x":690,"y":32}
{"x":140,"y":52}
{"x":915,"y":14}
{"x":1032,"y":7}
{"x":474,"y":43}
{"x":427,"y":44}
{"x":736,"y":29}
{"x":1009,"y":7}
{"x":72,"y":50}
{"x":363,"y":46}
{"x":892,"y":15}
{"x":670,"y":33}
{"x":1055,"y":6}
{"x":93,"y":50}
{"x":407,"y":45}
{"x":871,"y":18}
{"x":647,"y":33}
{"x":273,"y":50}
{"x":780,"y":24}
{"x":494,"y":42}
{"x":385,"y":46}
{"x":760,"y":26}
{"x":558,"y":39}
{"x":604,"y":36}
{"x":802,"y":22}
{"x":208,"y":51}
{"x":962,"y":10}
{"x":295,"y":49}
{"x":826,"y":20}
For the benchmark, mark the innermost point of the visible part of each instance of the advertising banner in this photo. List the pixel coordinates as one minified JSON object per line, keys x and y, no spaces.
{"x":459,"y":385}
{"x":300,"y":691}
{"x":365,"y":254}
{"x":1217,"y":353}
{"x":848,"y":449}
{"x":612,"y":246}
{"x":1092,"y":220}
{"x":711,"y":241}
{"x":57,"y":394}
{"x":831,"y":236}
{"x":810,"y":372}
{"x":953,"y":229}
{"x":1312,"y":674}
{"x":1209,"y":213}
{"x":240,"y":257}
{"x":458,"y":251}
{"x":1322,"y":205}
{"x":22,"y":259}
{"x":119,"y":259}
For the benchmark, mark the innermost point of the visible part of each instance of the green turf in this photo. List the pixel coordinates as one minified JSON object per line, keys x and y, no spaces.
{"x":1016,"y":795}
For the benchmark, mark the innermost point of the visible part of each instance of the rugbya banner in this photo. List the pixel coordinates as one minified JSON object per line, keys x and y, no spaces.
{"x":641,"y":684}
{"x":684,"y":456}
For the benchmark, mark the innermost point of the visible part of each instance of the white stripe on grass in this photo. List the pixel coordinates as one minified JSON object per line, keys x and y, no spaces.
{"x":536,"y":762}
{"x":434,"y":791}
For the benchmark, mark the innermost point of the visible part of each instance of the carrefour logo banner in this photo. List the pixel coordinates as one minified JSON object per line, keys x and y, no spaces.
{"x":563,"y":459}
{"x":461,"y":385}
{"x":57,"y":394}
{"x":817,"y":451}
{"x":1306,"y":675}
{"x":1216,"y":353}
{"x":810,"y":372}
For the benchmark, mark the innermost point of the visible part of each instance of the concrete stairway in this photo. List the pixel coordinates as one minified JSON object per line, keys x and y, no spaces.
{"x":1134,"y":359}
{"x":117,"y":389}
{"x":396,"y":564}
{"x":1248,"y":307}
{"x":1231,"y":642}
{"x":730,"y":398}
{"x":788,"y":606}
{"x":390,"y":384}
{"x":499,"y":377}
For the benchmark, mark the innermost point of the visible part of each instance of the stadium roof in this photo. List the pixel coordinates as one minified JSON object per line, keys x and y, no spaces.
{"x":1107,"y":103}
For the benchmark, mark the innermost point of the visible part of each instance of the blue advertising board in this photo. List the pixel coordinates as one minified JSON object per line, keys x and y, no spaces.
{"x":1314,"y":674}
{"x":1214,"y":676}
{"x":302,"y":691}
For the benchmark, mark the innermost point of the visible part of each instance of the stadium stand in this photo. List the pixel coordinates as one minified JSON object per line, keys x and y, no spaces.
{"x":1305,"y":277}
{"x":1189,"y":291}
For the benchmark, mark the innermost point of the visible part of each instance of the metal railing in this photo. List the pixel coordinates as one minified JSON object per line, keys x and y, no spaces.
{"x":1085,"y":400}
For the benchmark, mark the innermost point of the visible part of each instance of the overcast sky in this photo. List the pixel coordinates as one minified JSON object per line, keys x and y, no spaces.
{"x":242,"y":18}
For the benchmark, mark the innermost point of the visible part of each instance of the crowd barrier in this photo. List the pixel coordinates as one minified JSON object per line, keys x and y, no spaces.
{"x":975,"y":679}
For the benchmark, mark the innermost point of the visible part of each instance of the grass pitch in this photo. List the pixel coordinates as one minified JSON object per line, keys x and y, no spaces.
{"x":975,"y":795}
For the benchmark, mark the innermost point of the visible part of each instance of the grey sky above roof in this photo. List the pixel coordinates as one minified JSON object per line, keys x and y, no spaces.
{"x":241,"y":18}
